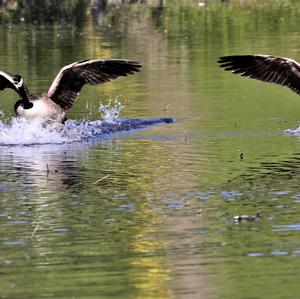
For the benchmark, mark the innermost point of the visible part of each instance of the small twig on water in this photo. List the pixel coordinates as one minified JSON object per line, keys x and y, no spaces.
{"x":185,"y":136}
{"x":35,"y":229}
{"x":105,"y":177}
{"x":165,"y":109}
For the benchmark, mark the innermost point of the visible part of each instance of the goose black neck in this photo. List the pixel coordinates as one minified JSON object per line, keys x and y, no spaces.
{"x":25,"y":101}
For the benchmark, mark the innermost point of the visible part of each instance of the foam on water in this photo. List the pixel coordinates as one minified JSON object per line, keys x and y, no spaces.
{"x":18,"y":131}
{"x":21,"y":132}
{"x":293,"y":132}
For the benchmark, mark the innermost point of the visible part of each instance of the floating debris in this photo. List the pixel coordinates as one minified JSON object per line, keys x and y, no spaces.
{"x":165,"y":109}
{"x":105,"y":177}
{"x":185,"y":136}
{"x":36,"y":228}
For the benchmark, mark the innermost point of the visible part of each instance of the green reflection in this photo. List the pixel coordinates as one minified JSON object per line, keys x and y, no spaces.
{"x":159,"y":226}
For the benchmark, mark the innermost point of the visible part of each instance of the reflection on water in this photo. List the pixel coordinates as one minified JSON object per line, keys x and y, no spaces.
{"x":150,"y":214}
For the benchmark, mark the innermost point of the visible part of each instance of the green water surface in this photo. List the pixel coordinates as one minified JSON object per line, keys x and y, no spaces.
{"x":159,"y":225}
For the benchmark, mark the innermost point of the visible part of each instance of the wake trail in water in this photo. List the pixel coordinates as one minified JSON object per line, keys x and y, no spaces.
{"x":18,"y":131}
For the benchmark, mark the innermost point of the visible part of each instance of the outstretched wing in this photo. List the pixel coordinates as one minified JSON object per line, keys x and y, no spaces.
{"x":279,"y":70}
{"x":6,"y":81}
{"x":71,"y":78}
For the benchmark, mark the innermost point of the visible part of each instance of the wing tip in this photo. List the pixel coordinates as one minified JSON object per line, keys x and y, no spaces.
{"x":133,"y":63}
{"x":243,"y":57}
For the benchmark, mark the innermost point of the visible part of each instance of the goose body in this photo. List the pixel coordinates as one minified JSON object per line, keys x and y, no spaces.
{"x":54,"y":103}
{"x":267,"y":68}
{"x":42,"y":108}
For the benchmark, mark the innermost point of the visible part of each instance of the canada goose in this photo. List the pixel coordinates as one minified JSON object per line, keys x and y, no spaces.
{"x":54,"y":103}
{"x":273,"y":69}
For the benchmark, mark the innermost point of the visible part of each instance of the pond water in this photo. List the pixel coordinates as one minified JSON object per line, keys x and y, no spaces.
{"x":149,"y":213}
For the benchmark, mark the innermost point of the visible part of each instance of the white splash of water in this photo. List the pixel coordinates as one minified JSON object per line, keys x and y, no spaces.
{"x":293,"y":132}
{"x":18,"y":131}
{"x":111,"y":111}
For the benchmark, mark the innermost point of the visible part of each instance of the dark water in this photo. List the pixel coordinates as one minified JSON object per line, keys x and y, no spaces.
{"x":148,"y":213}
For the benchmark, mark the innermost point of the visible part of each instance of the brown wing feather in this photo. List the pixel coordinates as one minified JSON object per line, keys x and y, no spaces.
{"x":279,"y":70}
{"x":71,"y":78}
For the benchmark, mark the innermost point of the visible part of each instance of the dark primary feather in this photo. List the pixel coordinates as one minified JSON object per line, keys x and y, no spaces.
{"x":279,"y":70}
{"x":71,"y":78}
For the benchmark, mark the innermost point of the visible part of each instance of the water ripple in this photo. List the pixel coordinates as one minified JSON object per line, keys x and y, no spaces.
{"x":287,"y":227}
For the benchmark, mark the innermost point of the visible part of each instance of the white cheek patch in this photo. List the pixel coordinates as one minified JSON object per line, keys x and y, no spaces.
{"x":20,"y":83}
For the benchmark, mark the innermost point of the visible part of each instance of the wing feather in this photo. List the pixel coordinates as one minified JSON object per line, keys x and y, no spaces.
{"x":71,"y":78}
{"x":267,"y":68}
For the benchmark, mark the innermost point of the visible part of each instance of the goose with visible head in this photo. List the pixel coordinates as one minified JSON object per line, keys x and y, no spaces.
{"x":54,"y":103}
{"x":267,"y":68}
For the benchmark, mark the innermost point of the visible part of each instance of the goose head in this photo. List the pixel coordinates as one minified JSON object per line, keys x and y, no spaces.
{"x":21,"y":89}
{"x":18,"y":81}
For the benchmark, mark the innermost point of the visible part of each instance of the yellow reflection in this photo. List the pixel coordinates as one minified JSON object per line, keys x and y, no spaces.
{"x":150,"y":257}
{"x":93,"y":44}
{"x":155,"y":278}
